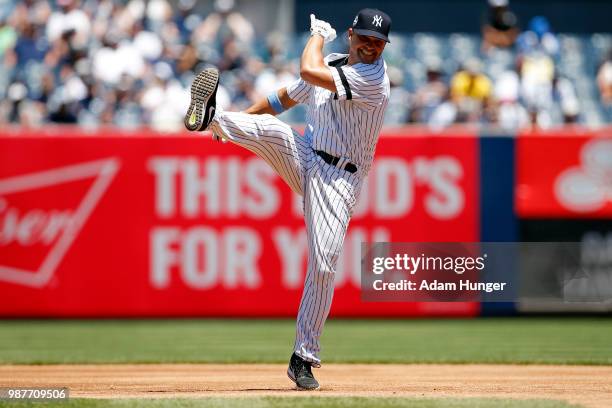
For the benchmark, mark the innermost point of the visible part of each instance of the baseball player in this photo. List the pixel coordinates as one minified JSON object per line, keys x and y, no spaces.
{"x":346,"y":96}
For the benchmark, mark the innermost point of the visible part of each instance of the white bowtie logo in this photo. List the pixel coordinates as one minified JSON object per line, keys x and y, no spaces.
{"x":377,"y":21}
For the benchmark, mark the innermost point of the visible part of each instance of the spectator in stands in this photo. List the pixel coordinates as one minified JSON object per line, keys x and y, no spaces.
{"x":159,"y":17}
{"x":234,"y":56}
{"x":550,"y":98}
{"x":276,"y":48}
{"x":399,"y":98}
{"x":8,"y":37}
{"x":162,"y":101}
{"x":17,"y":104}
{"x":566,"y":100}
{"x":470,"y":90}
{"x":538,"y":38}
{"x":243,"y":90}
{"x":277,"y":74}
{"x":126,"y":63}
{"x":431,"y":94}
{"x":500,"y":26}
{"x":604,"y":80}
{"x":507,"y":112}
{"x":188,"y":60}
{"x":444,"y":115}
{"x":36,"y":12}
{"x":30,"y":46}
{"x":225,"y":22}
{"x":537,"y":72}
{"x":187,"y":19}
{"x":69,"y":24}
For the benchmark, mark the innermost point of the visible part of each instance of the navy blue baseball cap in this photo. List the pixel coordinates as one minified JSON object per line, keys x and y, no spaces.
{"x":373,"y":23}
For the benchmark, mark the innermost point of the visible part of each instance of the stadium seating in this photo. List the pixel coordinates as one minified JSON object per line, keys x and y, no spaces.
{"x":78,"y":96}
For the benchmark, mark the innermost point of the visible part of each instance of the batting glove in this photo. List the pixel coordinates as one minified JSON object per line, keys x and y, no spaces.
{"x":323,"y":28}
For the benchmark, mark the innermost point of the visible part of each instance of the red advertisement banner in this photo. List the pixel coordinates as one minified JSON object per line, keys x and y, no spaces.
{"x":564,"y":174}
{"x":150,"y":225}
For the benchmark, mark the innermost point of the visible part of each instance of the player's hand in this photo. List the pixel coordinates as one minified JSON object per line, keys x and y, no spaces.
{"x":323,"y":28}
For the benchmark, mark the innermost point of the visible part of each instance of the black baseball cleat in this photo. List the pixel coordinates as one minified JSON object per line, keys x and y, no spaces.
{"x":300,"y":372}
{"x":203,"y":100}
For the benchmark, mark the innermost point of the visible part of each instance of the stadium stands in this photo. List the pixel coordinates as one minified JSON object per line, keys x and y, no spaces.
{"x":102,"y":62}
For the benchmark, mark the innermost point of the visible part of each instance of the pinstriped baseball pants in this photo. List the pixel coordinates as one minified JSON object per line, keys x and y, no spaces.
{"x":329,"y":196}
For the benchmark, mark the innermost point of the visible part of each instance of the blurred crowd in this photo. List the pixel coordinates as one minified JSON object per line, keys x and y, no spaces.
{"x":130,"y":63}
{"x":513,"y":78}
{"x":103,"y":62}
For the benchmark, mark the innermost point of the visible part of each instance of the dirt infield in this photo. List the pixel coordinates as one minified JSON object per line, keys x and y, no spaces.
{"x":590,"y":386}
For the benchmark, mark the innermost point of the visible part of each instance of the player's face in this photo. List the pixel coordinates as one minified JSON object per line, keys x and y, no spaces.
{"x":365,"y":48}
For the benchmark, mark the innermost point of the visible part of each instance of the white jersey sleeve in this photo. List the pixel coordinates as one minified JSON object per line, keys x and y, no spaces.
{"x":299,"y":91}
{"x":363,"y":83}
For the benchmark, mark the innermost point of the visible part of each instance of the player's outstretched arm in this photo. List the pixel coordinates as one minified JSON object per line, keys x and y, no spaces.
{"x":264,"y":106}
{"x":312,"y":66}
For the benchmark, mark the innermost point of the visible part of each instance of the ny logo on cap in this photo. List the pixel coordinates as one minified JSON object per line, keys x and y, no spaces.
{"x":377,"y":21}
{"x":355,"y":20}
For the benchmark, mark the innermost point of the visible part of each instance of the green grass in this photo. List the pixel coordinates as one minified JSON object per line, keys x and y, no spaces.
{"x":315,"y":402}
{"x":499,"y":340}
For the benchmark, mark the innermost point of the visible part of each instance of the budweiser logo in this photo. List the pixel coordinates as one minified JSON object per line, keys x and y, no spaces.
{"x":31,"y":227}
{"x":588,"y":187}
{"x":42,"y":213}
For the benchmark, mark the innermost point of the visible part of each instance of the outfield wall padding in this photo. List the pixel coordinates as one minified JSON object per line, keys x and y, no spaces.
{"x":114,"y":224}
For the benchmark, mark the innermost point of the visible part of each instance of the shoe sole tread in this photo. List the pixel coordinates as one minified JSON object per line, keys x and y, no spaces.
{"x":203,"y":86}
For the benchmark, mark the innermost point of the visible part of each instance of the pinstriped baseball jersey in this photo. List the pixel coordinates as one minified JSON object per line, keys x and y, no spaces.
{"x":346,"y":123}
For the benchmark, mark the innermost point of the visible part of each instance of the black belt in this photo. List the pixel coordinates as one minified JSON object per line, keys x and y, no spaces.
{"x":333,"y":160}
